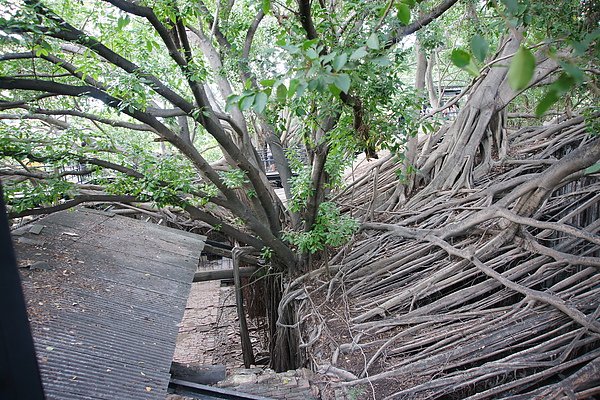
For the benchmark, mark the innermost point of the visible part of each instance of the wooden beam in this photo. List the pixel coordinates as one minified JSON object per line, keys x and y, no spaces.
{"x":220,"y":274}
{"x":223,"y":252}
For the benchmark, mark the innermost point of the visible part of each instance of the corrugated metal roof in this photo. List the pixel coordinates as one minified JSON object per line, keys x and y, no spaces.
{"x":105,"y":302}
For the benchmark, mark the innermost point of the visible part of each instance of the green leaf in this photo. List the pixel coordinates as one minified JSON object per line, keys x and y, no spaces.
{"x":312,"y":54}
{"x":260,"y":102}
{"x":373,"y":41}
{"x":383,"y":61}
{"x":339,"y":61}
{"x":318,"y":83}
{"x":246,"y":102}
{"x":342,"y":82}
{"x":460,"y":58}
{"x":472,"y":68}
{"x":334,"y":90}
{"x":292,"y":89}
{"x":281,"y":93}
{"x":300,"y":112}
{"x":521,"y":69}
{"x":463,"y":60}
{"x":40,"y":51}
{"x":358,"y":53}
{"x":327,"y":78}
{"x":267,"y":82}
{"x":301,"y":88}
{"x":582,"y":46}
{"x":122,"y":22}
{"x":573,"y":70}
{"x":328,"y":57}
{"x":592,"y":169}
{"x":231,"y":101}
{"x":321,"y":84}
{"x":479,"y":47}
{"x":547,"y":101}
{"x":403,"y":13}
{"x":410,"y":3}
{"x":564,"y":83}
{"x":292,"y":49}
{"x":308,"y":43}
{"x":266,"y":6}
{"x":512,"y":6}
{"x":149,"y":45}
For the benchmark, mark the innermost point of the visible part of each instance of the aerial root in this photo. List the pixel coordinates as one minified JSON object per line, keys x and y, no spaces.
{"x":480,"y":293}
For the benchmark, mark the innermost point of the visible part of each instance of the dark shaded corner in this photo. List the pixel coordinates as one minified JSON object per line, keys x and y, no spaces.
{"x":19,"y":373}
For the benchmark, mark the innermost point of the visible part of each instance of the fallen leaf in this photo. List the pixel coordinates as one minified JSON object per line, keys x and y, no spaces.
{"x":148,"y":389}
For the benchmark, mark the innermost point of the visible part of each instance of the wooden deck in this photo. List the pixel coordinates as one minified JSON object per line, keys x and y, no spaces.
{"x":105,"y":295}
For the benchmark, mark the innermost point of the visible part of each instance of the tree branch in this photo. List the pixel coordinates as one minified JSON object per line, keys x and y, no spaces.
{"x":420,"y":23}
{"x":44,"y":112}
{"x":234,"y":204}
{"x":306,"y":19}
{"x":39,"y":117}
{"x":84,"y":198}
{"x":209,"y":120}
{"x":560,"y":256}
{"x":45,"y":175}
{"x":221,"y":39}
{"x":221,"y":226}
{"x":69,"y":33}
{"x":250,"y":34}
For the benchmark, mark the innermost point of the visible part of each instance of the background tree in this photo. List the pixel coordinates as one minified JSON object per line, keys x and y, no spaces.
{"x":143,"y":89}
{"x":148,"y":89}
{"x":476,"y":275}
{"x":160,"y":63}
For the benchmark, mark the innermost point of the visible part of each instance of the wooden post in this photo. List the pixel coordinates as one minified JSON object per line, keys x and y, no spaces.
{"x":247,"y":353}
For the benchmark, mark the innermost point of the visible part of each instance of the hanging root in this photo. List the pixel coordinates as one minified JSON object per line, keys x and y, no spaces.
{"x":482,"y":293}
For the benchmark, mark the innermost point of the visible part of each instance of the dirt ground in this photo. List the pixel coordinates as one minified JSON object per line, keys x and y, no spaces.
{"x":209,"y":331}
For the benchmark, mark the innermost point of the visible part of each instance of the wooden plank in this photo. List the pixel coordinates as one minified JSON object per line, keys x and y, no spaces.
{"x":105,"y":315}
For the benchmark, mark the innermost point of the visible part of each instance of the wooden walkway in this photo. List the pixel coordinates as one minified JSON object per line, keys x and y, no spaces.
{"x":105,"y":295}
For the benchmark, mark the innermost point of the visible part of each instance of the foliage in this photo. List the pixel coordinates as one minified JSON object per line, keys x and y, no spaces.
{"x":165,"y":179}
{"x":331,"y":229}
{"x":570,"y":28}
{"x":26,"y":195}
{"x":234,"y":178}
{"x":155,"y":95}
{"x":173,"y":102}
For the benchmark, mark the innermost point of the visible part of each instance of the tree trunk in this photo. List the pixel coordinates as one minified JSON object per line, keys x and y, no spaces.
{"x":283,"y":336}
{"x":434,"y":99}
{"x":475,"y":135}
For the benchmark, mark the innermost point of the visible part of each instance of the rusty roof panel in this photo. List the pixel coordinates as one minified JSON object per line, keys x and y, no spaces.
{"x":105,"y":308}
